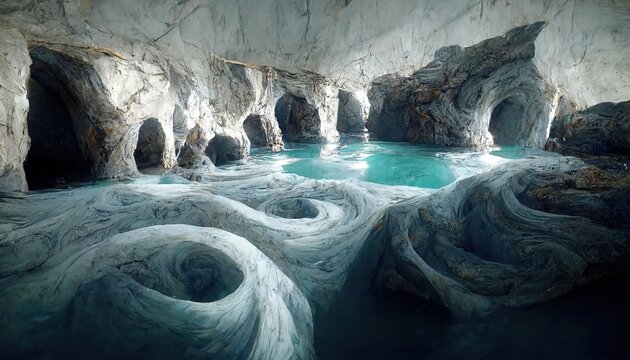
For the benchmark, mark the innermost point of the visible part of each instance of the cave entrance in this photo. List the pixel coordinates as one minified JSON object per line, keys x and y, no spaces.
{"x":55,"y":156}
{"x":298,"y":120}
{"x":149,"y":153}
{"x":506,"y":121}
{"x":255,"y":131}
{"x":222,"y":149}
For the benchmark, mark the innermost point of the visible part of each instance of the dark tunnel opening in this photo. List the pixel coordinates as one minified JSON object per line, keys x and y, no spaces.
{"x":55,"y":156}
{"x":149,"y":151}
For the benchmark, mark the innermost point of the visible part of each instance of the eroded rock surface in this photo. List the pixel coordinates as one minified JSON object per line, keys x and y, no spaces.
{"x":603,"y":129}
{"x":464,"y":95}
{"x":475,"y":246}
{"x":100,"y":99}
{"x":13,"y":108}
{"x":507,"y":238}
{"x":585,"y":49}
{"x":172,"y":291}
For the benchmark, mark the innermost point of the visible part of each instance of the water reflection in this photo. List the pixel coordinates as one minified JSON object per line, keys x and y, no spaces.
{"x":423,"y":166}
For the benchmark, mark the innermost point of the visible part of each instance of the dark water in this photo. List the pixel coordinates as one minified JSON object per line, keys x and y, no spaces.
{"x":591,"y":322}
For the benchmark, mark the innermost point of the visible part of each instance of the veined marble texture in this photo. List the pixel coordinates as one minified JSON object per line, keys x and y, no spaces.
{"x":240,"y":264}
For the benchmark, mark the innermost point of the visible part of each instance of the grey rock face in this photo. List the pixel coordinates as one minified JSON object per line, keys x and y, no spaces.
{"x":96,"y":100}
{"x":191,"y":154}
{"x":590,"y":192}
{"x":599,"y":130}
{"x":350,"y":117}
{"x":482,"y":243}
{"x":465,"y":94}
{"x":258,"y":106}
{"x":108,"y":99}
{"x":14,"y":140}
{"x":306,"y":106}
{"x":259,"y":131}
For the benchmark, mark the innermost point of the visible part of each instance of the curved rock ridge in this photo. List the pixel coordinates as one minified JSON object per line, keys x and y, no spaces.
{"x":465,"y":94}
{"x":503,"y":238}
{"x":136,"y":289}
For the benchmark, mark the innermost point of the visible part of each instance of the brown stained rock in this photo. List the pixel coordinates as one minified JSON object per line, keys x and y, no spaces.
{"x":590,"y":192}
{"x":602,"y":129}
{"x":459,"y":91}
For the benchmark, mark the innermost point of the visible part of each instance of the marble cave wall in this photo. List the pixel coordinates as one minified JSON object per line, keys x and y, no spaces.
{"x":239,"y":265}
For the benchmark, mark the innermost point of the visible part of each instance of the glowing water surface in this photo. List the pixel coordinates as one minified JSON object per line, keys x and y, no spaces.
{"x":424,"y":166}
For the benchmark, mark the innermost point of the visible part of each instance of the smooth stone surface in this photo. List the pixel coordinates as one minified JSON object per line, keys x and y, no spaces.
{"x":137,"y":253}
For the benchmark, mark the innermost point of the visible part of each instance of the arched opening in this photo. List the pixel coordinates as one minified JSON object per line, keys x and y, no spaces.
{"x":222,"y":149}
{"x":255,"y":131}
{"x":149,"y":152}
{"x":298,"y":120}
{"x":507,"y":121}
{"x":55,"y":156}
{"x":350,"y":119}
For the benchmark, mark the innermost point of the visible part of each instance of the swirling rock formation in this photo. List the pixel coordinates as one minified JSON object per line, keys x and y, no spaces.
{"x":484,"y":242}
{"x":239,"y":264}
{"x":163,"y":292}
{"x":510,"y":237}
{"x":466,"y":96}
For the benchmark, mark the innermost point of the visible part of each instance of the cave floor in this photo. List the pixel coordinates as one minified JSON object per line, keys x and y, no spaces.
{"x":126,"y":257}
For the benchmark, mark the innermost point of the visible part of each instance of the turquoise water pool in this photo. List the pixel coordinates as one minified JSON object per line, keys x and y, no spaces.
{"x":424,"y":166}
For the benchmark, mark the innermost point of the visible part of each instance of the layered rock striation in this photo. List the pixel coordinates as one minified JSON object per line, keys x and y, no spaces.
{"x":516,"y":236}
{"x":239,"y":264}
{"x":489,"y":93}
{"x":603,"y":129}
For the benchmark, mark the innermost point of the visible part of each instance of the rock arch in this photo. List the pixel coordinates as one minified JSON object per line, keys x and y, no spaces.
{"x":149,"y":152}
{"x":298,"y":120}
{"x":223,"y":148}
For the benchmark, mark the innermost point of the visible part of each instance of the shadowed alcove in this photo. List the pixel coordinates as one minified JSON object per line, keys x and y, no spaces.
{"x":55,"y":155}
{"x":222,"y":149}
{"x":298,"y":120}
{"x":507,"y":122}
{"x":149,"y":152}
{"x":255,"y":131}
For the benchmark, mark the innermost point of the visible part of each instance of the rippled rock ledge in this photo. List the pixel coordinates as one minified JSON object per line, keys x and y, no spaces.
{"x":240,"y":265}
